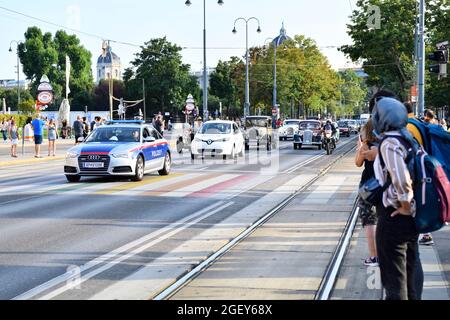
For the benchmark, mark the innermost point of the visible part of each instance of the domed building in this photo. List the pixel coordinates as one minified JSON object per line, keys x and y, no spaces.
{"x":108,"y":64}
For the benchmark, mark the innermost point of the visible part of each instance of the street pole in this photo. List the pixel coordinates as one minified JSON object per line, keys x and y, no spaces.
{"x":18,"y":67}
{"x":143,"y":97}
{"x":275,"y":89}
{"x":247,"y":62}
{"x":205,"y":71}
{"x":421,"y":56}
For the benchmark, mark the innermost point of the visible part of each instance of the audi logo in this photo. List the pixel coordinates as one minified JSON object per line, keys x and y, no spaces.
{"x":94,"y":158}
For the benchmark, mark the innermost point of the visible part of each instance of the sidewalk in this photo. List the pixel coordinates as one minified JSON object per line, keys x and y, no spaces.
{"x":287,"y":257}
{"x":28,"y":156}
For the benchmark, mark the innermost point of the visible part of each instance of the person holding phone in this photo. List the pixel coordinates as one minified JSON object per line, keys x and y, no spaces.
{"x":366,"y":147}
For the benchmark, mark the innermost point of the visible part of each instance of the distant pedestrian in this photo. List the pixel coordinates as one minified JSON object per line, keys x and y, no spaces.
{"x":13,"y":133}
{"x":159,"y":125}
{"x":28,"y":131}
{"x":38,"y":128}
{"x":64,"y":130}
{"x":430,"y":117}
{"x":368,"y":214}
{"x":52,"y":137}
{"x":4,"y":130}
{"x":78,"y":129}
{"x":86,"y":128}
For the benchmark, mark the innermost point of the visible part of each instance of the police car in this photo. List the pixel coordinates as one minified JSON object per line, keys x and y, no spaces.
{"x":122,"y":149}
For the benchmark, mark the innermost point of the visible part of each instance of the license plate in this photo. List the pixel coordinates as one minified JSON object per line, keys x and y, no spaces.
{"x":93,"y":165}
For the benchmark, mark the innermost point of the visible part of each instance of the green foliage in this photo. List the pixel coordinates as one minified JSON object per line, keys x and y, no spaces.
{"x":44,"y":54}
{"x":388,"y":52}
{"x":27,"y":107}
{"x":10,"y":96}
{"x":167,"y":79}
{"x":20,"y":119}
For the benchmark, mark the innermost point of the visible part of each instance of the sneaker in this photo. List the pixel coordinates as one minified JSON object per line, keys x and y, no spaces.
{"x":426,"y":241}
{"x":372,"y":262}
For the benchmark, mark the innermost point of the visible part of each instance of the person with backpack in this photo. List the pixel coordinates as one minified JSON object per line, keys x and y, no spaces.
{"x":397,"y":236}
{"x":435,"y":141}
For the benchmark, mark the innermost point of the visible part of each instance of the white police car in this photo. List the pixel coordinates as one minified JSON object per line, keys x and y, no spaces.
{"x":120,"y":148}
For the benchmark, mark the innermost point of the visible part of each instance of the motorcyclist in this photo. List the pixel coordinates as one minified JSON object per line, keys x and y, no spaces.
{"x":329,"y":126}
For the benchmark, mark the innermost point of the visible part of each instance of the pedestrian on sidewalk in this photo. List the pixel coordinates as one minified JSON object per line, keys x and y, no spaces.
{"x":13,"y":133}
{"x":397,"y":237}
{"x":368,"y":214}
{"x":52,"y":137}
{"x":38,"y":128}
{"x":4,"y":130}
{"x":78,"y":128}
{"x":28,"y":131}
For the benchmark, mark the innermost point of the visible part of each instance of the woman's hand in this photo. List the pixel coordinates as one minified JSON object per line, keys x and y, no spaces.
{"x":371,"y":154}
{"x":404,"y":210}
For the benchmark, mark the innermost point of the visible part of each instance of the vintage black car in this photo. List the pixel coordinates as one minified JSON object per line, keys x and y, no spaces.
{"x":309,"y":134}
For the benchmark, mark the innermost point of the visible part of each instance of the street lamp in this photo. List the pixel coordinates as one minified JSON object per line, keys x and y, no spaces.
{"x":205,"y":71}
{"x":247,"y":82}
{"x":18,"y":68}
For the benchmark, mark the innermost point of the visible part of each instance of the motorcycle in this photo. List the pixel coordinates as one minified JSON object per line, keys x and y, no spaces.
{"x":329,"y":143}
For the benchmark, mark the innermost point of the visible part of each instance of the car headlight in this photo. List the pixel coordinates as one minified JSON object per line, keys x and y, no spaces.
{"x":197,"y":139}
{"x":315,"y":134}
{"x":121,"y":155}
{"x":72,"y":155}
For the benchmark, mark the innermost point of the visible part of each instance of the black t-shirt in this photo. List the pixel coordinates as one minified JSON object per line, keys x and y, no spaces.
{"x":369,"y":171}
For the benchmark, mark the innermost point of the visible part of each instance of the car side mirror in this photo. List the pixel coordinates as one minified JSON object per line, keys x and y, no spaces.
{"x":80,"y":139}
{"x":149,"y":139}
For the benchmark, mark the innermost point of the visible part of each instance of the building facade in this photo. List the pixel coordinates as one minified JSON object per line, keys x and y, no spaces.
{"x":108,"y":64}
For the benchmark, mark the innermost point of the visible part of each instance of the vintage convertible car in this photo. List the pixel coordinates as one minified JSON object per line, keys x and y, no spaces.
{"x":259,"y":133}
{"x":120,"y":148}
{"x":309,"y":133}
{"x":288,"y":129}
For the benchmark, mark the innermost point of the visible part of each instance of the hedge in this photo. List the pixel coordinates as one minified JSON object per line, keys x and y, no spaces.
{"x":20,"y":119}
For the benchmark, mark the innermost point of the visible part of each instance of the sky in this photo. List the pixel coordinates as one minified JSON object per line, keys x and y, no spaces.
{"x":138,"y":21}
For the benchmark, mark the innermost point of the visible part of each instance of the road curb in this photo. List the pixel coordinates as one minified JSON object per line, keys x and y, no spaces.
{"x":28,"y":161}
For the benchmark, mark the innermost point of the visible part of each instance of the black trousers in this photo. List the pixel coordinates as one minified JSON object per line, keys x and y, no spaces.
{"x":398,"y":252}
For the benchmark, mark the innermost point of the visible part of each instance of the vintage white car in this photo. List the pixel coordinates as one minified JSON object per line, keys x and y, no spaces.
{"x":120,"y":148}
{"x":288,"y":129}
{"x":218,"y":138}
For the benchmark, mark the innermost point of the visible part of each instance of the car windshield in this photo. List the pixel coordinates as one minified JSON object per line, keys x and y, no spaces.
{"x":257,"y":122}
{"x":352,"y":123}
{"x":216,"y":128}
{"x":115,"y":135}
{"x":343,"y":124}
{"x":309,"y":125}
{"x":291,"y":123}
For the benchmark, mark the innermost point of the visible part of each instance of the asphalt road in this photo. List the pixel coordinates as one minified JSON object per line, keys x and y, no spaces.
{"x":74,"y":241}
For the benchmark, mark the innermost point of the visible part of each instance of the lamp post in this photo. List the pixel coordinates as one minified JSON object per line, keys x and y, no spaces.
{"x":205,"y":70}
{"x":247,"y":82}
{"x":18,"y":68}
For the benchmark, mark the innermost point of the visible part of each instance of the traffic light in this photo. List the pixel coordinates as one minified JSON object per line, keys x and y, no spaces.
{"x":441,"y":57}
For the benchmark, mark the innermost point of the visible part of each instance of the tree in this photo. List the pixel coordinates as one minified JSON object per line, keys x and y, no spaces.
{"x":167,"y":79}
{"x":10,"y":96}
{"x":224,"y":83}
{"x":353,"y":93}
{"x":44,"y":54}
{"x":388,"y":52}
{"x":101,"y":93}
{"x":27,"y":107}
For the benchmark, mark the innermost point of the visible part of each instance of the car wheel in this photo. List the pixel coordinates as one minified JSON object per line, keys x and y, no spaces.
{"x":180,"y":146}
{"x":319,"y":147}
{"x":139,"y":173}
{"x":192,"y":156}
{"x":167,"y":166}
{"x":73,"y":179}
{"x":247,"y":147}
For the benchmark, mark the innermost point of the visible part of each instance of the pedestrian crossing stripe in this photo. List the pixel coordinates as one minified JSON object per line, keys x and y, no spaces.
{"x":128,"y":186}
{"x":179,"y":185}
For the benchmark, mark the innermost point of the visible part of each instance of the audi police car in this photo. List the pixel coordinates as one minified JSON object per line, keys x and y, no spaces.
{"x":122,"y":149}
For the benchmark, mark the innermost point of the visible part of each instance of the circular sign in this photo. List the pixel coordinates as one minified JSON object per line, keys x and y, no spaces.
{"x":190,"y":107}
{"x":45,"y":97}
{"x":45,"y":86}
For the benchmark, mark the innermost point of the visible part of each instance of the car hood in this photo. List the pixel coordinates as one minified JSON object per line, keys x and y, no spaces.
{"x":93,"y":148}
{"x":213,"y":137}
